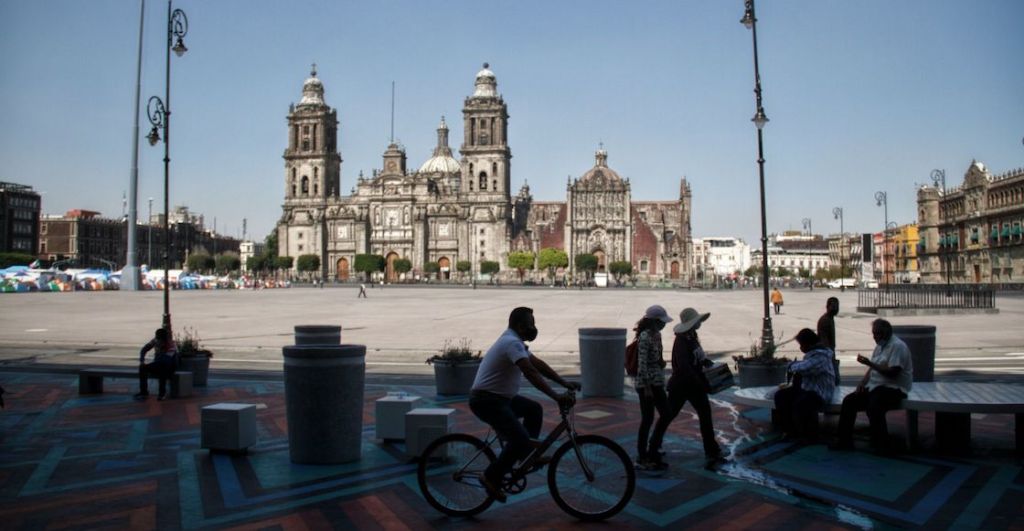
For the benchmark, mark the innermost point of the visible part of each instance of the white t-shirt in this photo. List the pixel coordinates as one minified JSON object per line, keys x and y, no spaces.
{"x":895,"y":353}
{"x":498,"y":373}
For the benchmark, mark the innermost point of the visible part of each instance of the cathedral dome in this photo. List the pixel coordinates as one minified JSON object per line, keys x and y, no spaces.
{"x":601,"y":176}
{"x":442,"y":161}
{"x":486,"y":83}
{"x":312,"y":90}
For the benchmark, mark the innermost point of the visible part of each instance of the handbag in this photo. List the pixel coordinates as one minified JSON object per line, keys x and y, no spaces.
{"x":718,"y":377}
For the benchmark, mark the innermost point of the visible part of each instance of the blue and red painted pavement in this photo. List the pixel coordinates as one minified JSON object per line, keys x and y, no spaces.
{"x":107,"y":461}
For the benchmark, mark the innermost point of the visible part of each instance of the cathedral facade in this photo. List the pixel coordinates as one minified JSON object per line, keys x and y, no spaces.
{"x":451,"y":211}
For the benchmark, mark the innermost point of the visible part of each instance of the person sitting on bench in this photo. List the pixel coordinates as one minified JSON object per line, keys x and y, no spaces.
{"x":165,"y":361}
{"x":814,"y":378}
{"x":884,"y":386}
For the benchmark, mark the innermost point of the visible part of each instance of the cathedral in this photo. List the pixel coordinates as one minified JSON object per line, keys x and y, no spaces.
{"x":462,"y":210}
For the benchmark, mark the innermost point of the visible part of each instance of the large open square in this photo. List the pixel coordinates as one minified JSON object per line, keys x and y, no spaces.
{"x":402,"y":326}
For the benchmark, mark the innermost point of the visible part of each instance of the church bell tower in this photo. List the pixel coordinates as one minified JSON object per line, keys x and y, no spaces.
{"x":312,"y":162}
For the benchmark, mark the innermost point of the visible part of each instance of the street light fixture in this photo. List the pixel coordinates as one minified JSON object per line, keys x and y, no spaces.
{"x":810,"y":233}
{"x":160,"y":117}
{"x":888,"y":227}
{"x":882,"y":200}
{"x":939,"y":178}
{"x":760,"y":119}
{"x":149,"y":231}
{"x":837,"y":213}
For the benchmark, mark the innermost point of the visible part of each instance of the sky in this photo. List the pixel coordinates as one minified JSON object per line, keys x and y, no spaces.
{"x":862,"y":97}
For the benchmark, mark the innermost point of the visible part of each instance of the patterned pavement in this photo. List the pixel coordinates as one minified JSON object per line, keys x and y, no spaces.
{"x":107,"y":461}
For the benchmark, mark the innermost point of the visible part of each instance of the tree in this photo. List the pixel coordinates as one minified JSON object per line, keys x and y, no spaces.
{"x":488,"y":267}
{"x":9,"y":259}
{"x":431,"y":268}
{"x":283,"y":262}
{"x":256,"y":263}
{"x":270,"y":246}
{"x":199,"y":262}
{"x":521,"y":261}
{"x":752,"y":271}
{"x":586,"y":263}
{"x":619,"y":269}
{"x":783,"y":272}
{"x":549,"y":259}
{"x":402,"y":266}
{"x":227,"y":262}
{"x":463,"y":266}
{"x":308,"y":263}
{"x":369,"y":264}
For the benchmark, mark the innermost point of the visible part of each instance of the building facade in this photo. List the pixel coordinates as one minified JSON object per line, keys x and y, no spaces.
{"x":462,"y":210}
{"x":19,"y":218}
{"x":972,"y":233}
{"x":718,"y":258}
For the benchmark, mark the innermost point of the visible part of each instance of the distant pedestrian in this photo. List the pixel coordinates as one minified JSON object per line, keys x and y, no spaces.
{"x":827,"y":323}
{"x":776,"y":300}
{"x":650,"y":382}
{"x":165,"y":360}
{"x":688,"y":384}
{"x":362,"y":291}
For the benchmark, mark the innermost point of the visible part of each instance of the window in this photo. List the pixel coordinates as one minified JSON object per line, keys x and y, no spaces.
{"x":305,"y":185}
{"x":482,"y":232}
{"x":300,"y":236}
{"x":315,"y":188}
{"x":482,"y":244}
{"x":300,"y":247}
{"x":483,"y":181}
{"x":643,"y":266}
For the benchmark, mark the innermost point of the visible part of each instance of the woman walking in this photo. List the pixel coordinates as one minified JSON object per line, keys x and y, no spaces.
{"x":650,"y":381}
{"x":688,"y":384}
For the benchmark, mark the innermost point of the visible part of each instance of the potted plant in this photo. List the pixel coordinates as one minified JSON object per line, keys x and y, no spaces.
{"x":760,"y":367}
{"x":455,"y":367}
{"x":192,"y":357}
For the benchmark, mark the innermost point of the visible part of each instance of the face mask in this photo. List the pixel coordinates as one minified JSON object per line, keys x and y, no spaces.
{"x":530,"y":334}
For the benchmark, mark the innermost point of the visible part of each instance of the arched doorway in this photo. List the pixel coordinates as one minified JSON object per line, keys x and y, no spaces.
{"x":599,"y":254}
{"x":389,"y":271}
{"x":445,"y":268}
{"x":674,"y":272}
{"x":341,"y":271}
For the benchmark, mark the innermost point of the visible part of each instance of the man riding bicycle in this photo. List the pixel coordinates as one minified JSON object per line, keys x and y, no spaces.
{"x":495,"y":397}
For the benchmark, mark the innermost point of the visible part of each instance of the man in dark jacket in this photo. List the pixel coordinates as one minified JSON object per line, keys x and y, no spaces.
{"x":827,"y":323}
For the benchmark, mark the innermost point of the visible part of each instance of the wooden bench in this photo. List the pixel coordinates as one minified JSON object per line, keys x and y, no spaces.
{"x":90,"y":381}
{"x":952,"y":403}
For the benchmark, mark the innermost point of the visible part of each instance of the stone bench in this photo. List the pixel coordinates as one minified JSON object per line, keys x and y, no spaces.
{"x":90,"y":381}
{"x":423,"y":425}
{"x":228,"y":427}
{"x":952,"y":403}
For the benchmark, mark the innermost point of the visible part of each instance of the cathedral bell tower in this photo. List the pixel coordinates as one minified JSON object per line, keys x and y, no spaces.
{"x":485,"y":154}
{"x":311,"y":161}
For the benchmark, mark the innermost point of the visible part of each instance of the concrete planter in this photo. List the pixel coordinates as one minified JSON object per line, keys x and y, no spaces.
{"x":602,"y":358}
{"x":198,"y":365}
{"x":454,"y":377}
{"x":759,"y":374}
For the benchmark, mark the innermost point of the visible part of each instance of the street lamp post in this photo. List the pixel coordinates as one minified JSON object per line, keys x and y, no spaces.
{"x":837,"y":212}
{"x":160,"y":116}
{"x":890,"y":226}
{"x":130,"y":273}
{"x":760,"y":119}
{"x":149,"y":232}
{"x":810,"y":233}
{"x":882,"y":200}
{"x":939,"y":178}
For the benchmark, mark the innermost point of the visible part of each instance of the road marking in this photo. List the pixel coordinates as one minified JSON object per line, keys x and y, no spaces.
{"x":47,"y":330}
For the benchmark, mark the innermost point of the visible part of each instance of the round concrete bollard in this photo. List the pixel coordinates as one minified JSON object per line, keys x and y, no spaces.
{"x":317,"y":335}
{"x":324,"y":399}
{"x":921,"y":341}
{"x":602,"y":358}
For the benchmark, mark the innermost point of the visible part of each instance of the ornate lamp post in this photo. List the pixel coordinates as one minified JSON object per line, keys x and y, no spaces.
{"x":810,"y":233}
{"x":160,"y":116}
{"x":888,"y":227}
{"x":837,"y":212}
{"x":939,"y":178}
{"x":882,"y":200}
{"x":760,"y":119}
{"x":149,"y":232}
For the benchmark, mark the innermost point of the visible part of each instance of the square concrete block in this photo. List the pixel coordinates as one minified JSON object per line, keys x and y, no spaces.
{"x":227,"y":426}
{"x":390,"y":415}
{"x":423,"y":425}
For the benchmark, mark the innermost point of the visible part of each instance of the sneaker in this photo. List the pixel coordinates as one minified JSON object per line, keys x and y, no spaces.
{"x":492,"y":490}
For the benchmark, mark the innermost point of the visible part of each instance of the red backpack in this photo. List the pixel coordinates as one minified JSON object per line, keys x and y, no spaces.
{"x":631,"y":357}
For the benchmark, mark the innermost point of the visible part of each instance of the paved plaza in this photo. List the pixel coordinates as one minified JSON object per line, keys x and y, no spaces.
{"x":401,"y":326}
{"x":73,"y":461}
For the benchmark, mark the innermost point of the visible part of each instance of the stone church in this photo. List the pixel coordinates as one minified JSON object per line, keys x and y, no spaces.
{"x":452,"y":210}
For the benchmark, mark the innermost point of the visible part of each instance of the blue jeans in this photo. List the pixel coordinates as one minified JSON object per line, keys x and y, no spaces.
{"x":503,"y":415}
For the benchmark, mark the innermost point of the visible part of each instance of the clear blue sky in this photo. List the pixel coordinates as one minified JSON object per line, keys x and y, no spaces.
{"x":862,"y":96}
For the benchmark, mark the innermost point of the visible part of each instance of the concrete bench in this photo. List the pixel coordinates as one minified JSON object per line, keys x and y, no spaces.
{"x":90,"y":381}
{"x":952,"y":403}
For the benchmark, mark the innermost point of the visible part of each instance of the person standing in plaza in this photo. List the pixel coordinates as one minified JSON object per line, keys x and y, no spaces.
{"x":650,"y":381}
{"x":688,"y":384}
{"x":495,"y":399}
{"x":776,"y":299}
{"x":163,"y":365}
{"x":797,"y":405}
{"x":886,"y":383}
{"x":827,"y":323}
{"x":362,"y":291}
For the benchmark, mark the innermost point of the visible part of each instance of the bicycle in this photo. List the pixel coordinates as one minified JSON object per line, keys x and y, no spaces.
{"x":594,"y":486}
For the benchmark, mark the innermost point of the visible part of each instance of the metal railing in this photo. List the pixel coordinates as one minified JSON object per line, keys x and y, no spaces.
{"x":926,"y":296}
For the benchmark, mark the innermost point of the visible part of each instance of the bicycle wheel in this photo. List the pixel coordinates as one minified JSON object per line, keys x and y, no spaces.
{"x":610,"y":486}
{"x":449,"y":473}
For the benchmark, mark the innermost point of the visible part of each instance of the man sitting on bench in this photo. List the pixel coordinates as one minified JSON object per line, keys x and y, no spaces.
{"x":165,"y":361}
{"x":814,"y":379}
{"x":883,"y":388}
